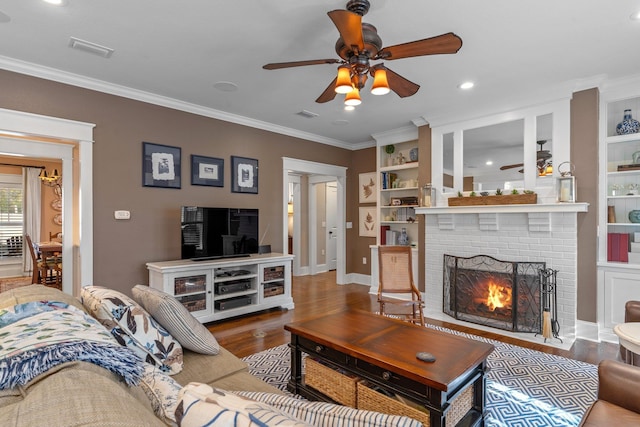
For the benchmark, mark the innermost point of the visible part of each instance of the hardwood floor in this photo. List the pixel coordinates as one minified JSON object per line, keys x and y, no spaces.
{"x":317,"y":295}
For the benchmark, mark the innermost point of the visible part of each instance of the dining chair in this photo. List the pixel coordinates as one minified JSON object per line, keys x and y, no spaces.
{"x":395,"y":275}
{"x":47,"y":271}
{"x":55,"y":236}
{"x":14,"y":245}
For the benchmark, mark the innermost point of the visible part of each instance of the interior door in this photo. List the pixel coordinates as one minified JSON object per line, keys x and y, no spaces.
{"x":332,"y":226}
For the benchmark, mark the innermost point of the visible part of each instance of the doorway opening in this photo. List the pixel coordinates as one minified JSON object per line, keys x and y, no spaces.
{"x":314,"y":173}
{"x":37,"y":136}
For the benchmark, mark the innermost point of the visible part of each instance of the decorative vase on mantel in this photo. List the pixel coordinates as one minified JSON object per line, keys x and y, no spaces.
{"x":628,"y":124}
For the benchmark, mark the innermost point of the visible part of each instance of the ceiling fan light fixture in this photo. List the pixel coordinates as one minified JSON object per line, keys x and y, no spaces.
{"x":353,"y":97}
{"x":380,"y":83}
{"x":343,"y":82}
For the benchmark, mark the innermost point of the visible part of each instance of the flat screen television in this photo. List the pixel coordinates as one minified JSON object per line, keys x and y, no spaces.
{"x":210,"y":233}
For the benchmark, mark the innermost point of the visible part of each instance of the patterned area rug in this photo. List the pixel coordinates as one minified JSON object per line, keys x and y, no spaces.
{"x":524,"y":387}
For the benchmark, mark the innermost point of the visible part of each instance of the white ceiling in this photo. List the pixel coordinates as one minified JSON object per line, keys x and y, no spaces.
{"x":173,"y":52}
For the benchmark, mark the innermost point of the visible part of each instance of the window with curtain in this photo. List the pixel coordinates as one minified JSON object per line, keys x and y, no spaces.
{"x":11,"y":218}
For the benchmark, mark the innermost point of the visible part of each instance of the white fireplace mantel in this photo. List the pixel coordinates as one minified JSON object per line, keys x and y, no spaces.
{"x":538,"y":215}
{"x":482,"y":209}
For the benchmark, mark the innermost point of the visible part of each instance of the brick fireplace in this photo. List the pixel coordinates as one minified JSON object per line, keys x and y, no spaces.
{"x":545,"y":233}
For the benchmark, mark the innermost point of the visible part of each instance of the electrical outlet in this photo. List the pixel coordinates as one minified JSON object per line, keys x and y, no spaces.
{"x":364,"y":260}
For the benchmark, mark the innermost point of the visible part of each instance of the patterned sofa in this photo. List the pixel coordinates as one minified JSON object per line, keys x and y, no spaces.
{"x":108,"y":375}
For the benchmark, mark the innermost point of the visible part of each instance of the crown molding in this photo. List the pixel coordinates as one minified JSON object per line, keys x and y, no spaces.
{"x":47,"y":73}
{"x":394,"y":136}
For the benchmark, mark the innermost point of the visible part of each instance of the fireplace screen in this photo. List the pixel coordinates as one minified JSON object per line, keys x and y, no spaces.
{"x":490,"y":292}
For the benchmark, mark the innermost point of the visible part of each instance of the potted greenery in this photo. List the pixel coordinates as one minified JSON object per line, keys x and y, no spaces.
{"x":389,"y":149}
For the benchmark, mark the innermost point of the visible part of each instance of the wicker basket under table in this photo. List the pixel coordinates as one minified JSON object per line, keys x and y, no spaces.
{"x":337,"y":385}
{"x":372,"y":400}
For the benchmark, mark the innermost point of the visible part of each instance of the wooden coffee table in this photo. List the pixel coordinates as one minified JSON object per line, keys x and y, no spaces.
{"x":382,"y":352}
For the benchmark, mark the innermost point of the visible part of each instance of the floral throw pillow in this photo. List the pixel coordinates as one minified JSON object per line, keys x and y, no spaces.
{"x":133,"y":327}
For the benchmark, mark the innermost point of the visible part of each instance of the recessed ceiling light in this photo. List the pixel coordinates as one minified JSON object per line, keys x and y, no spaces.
{"x":226,"y":86}
{"x":465,"y":85}
{"x":635,"y":16}
{"x":349,"y":107}
{"x":56,"y":2}
{"x":489,"y":163}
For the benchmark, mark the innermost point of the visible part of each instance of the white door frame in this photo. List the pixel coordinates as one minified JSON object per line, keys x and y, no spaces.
{"x":295,"y":180}
{"x":80,"y":232}
{"x":290,"y":165}
{"x":330,"y":208}
{"x":313,"y":221}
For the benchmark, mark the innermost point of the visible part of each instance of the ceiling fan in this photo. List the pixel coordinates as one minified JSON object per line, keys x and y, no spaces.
{"x":543,"y":158}
{"x":358,"y":45}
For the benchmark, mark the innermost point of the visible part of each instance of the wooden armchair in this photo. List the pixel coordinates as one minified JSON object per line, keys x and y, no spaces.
{"x":396,"y":277}
{"x":46,"y":272}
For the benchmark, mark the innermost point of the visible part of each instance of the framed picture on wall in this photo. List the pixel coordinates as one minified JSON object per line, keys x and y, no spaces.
{"x":244,"y":175}
{"x":207,"y":171}
{"x":367,"y":187}
{"x":160,"y":165}
{"x":368,"y":221}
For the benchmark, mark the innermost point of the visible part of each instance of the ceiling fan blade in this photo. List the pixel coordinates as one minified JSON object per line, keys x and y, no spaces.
{"x":445,"y":43}
{"x":349,"y":26}
{"x":505,"y":167}
{"x":329,"y":93}
{"x":278,"y":65}
{"x":400,"y":85}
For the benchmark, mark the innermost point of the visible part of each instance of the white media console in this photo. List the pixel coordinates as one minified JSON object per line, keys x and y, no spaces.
{"x":221,"y":288}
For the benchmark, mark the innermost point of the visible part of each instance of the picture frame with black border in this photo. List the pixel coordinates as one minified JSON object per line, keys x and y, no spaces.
{"x":244,"y":175}
{"x":208,"y":171}
{"x":161,"y":165}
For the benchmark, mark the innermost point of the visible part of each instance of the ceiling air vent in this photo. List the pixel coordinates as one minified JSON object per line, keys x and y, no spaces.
{"x":89,"y":47}
{"x":308,"y":114}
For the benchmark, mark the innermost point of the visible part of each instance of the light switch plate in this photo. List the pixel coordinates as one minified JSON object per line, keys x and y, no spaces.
{"x":122,"y":215}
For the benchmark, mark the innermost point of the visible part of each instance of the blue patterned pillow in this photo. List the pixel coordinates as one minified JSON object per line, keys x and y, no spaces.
{"x":133,"y":327}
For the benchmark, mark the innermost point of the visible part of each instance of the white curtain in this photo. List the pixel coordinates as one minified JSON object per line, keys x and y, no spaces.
{"x":31,"y":200}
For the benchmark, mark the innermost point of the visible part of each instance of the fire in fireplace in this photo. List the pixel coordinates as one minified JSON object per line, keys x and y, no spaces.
{"x":498,"y":296}
{"x":491,"y":292}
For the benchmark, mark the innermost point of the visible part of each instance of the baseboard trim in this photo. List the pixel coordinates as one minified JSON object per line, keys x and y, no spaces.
{"x":360,"y":279}
{"x":587,"y":331}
